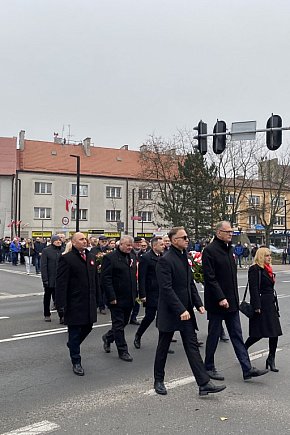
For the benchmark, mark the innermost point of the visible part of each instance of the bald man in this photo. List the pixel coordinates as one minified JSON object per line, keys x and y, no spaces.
{"x":77,"y":290}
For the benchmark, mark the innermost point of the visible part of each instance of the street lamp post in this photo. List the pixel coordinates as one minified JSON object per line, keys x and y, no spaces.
{"x":19,"y":205}
{"x":77,"y":204}
{"x":285,"y":211}
{"x":133,"y":212}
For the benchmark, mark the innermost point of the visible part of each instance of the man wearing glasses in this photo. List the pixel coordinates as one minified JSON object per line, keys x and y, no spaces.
{"x":177,"y":297}
{"x":221,"y":299}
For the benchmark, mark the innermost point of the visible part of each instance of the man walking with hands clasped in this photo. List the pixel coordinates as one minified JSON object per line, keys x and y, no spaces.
{"x":221,"y":299}
{"x":177,"y":298}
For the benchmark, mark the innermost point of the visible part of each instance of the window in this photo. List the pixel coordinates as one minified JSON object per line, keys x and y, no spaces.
{"x":280,"y":220}
{"x":253,"y":220}
{"x":254,"y":200}
{"x":83,"y":189}
{"x":145,"y":194}
{"x":113,"y":192}
{"x":146,"y":216}
{"x":83,"y":214}
{"x":281,"y":202}
{"x":230,"y":199}
{"x":232,"y":218}
{"x":42,"y":213}
{"x":41,"y":188}
{"x":113,"y":215}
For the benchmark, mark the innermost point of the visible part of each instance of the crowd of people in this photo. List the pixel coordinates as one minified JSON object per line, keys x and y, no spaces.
{"x":81,"y":277}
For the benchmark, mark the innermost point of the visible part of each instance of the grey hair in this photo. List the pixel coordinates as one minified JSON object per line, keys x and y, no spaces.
{"x":127,"y":237}
{"x":220,"y":224}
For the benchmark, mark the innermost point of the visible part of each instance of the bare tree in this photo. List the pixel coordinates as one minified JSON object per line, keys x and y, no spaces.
{"x":183,"y":181}
{"x":273,"y":184}
{"x":236,"y":170}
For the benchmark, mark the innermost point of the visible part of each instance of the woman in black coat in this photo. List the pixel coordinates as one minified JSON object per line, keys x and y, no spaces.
{"x":265,"y":322}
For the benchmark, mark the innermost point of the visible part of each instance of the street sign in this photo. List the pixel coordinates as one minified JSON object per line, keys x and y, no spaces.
{"x":65,"y":220}
{"x":120,"y":226}
{"x":243,"y":130}
{"x":136,"y":218}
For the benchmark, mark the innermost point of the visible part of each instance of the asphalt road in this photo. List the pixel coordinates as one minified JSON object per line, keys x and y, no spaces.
{"x":40,"y":394}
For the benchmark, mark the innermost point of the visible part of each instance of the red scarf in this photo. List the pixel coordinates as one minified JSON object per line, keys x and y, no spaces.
{"x":269,"y":270}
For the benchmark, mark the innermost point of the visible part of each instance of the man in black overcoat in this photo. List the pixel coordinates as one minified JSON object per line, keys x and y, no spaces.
{"x":77,"y":290}
{"x":178,"y":296}
{"x":48,"y":266}
{"x":148,"y":285}
{"x":221,"y":299}
{"x":119,"y":281}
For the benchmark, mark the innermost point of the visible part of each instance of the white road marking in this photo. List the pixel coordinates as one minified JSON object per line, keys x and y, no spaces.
{"x":4,"y":317}
{"x":285,"y":281}
{"x":190,"y":379}
{"x":35,"y":429}
{"x":22,"y":295}
{"x":46,"y":332}
{"x":283,"y":296}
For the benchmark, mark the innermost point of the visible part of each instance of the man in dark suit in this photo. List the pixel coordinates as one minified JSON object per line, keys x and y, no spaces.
{"x":119,"y":281}
{"x":77,"y":293}
{"x":148,"y":285}
{"x":221,"y":299}
{"x":177,"y":297}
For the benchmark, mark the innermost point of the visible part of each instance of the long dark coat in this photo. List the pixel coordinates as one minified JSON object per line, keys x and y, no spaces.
{"x":177,"y":291}
{"x":119,"y":278}
{"x":263,"y":297}
{"x":220,"y":277}
{"x":49,"y":261}
{"x":148,"y":284}
{"x":77,"y":288}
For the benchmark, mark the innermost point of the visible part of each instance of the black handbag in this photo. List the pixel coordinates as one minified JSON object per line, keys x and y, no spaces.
{"x":245,"y":307}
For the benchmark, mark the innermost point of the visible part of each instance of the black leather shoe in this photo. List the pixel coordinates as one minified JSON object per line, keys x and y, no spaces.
{"x":254,"y":373}
{"x":199,"y":343}
{"x":214,"y":374}
{"x":106,"y":345}
{"x":159,"y":387}
{"x":134,"y":322}
{"x":204,"y":390}
{"x":170,"y":351}
{"x":137,"y":341}
{"x":125,"y":356}
{"x":78,"y":370}
{"x":224,"y":338}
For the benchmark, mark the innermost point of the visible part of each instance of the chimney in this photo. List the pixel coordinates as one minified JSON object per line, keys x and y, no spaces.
{"x":87,"y":146}
{"x":125,"y":147}
{"x":21,"y":139}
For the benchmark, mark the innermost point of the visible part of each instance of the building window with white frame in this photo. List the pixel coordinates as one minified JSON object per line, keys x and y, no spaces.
{"x":230,"y":199}
{"x":83,"y":214}
{"x":42,"y":213}
{"x":113,"y":192}
{"x":254,"y":200}
{"x":146,"y":216}
{"x":253,"y":220}
{"x":279,"y":221}
{"x":145,"y":193}
{"x":113,"y":215}
{"x":84,"y":190}
{"x":42,"y":188}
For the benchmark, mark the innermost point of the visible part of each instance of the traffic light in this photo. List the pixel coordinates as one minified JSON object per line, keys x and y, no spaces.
{"x":274,"y":137}
{"x":219,"y":142}
{"x":201,"y":141}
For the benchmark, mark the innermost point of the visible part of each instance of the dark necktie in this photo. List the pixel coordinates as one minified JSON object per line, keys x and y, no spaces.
{"x":83,"y":255}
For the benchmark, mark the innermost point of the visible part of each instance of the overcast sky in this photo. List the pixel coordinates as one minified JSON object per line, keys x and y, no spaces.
{"x":120,"y":70}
